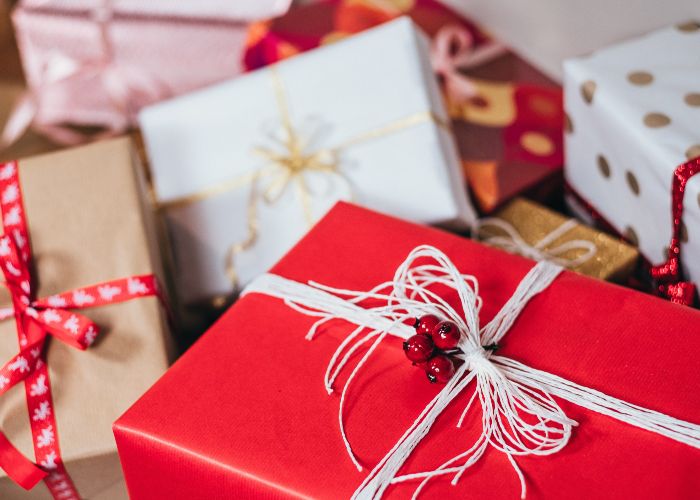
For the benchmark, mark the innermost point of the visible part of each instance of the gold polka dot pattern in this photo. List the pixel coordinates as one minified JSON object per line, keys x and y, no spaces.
{"x":689,"y":27}
{"x":640,"y":78}
{"x":656,"y":120}
{"x":692,"y":99}
{"x":603,"y":166}
{"x":693,"y":151}
{"x":632,"y":182}
{"x":568,"y":124}
{"x":588,"y":90}
{"x":631,"y":235}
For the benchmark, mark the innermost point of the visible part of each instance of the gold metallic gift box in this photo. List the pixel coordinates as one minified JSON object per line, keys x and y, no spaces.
{"x":613,"y":259}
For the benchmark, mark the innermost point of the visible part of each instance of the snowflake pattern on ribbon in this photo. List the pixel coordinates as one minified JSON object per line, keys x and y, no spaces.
{"x":36,"y":319}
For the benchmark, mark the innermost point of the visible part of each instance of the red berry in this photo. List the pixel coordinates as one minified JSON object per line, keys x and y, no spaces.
{"x":418,"y":348}
{"x":440,"y":369}
{"x":425,"y":324}
{"x":446,"y":335}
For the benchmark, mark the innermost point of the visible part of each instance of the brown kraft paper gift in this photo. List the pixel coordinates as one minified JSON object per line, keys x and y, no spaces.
{"x":88,"y":223}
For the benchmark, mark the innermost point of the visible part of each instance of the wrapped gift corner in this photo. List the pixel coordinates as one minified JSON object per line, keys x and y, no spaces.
{"x":386,"y":144}
{"x":632,"y":113}
{"x":89,"y":223}
{"x":611,"y":259}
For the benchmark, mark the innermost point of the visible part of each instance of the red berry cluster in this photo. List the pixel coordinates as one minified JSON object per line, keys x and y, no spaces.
{"x":429,"y":347}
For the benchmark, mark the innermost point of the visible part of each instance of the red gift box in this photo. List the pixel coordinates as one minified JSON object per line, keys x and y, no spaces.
{"x":245,"y":412}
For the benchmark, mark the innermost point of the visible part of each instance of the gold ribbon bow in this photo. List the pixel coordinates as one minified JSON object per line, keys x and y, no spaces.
{"x":288,"y":166}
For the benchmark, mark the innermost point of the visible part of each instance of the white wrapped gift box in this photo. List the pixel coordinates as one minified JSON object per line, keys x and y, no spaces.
{"x":376,"y":88}
{"x":634,"y":111}
{"x":545,"y":32}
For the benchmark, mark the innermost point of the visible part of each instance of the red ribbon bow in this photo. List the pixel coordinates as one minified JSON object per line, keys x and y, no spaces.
{"x":668,"y":277}
{"x":36,"y":319}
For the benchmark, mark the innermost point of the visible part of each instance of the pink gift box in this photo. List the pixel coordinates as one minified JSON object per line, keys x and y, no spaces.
{"x":91,"y":62}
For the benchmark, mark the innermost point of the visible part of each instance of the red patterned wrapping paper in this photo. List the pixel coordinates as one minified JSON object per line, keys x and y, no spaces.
{"x":509,"y":133}
{"x":245,"y":411}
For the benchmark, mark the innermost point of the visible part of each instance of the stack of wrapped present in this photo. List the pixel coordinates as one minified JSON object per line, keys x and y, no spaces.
{"x":400,"y":249}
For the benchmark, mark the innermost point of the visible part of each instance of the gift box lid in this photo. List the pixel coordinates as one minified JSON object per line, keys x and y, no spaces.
{"x":243,"y":10}
{"x":246,"y":410}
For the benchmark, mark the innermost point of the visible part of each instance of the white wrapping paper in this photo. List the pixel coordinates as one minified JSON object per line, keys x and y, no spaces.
{"x":634,"y":111}
{"x":545,"y":32}
{"x":334,"y":94}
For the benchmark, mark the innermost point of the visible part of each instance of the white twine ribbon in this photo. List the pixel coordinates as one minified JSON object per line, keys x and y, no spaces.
{"x":513,"y":242}
{"x":520,"y":416}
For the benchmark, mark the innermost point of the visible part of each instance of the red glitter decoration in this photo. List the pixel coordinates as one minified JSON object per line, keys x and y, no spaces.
{"x":668,"y":277}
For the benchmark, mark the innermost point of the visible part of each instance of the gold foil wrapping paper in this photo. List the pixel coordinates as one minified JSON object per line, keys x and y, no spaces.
{"x":613,"y":260}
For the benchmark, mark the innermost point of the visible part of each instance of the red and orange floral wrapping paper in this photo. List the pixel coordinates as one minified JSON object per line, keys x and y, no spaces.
{"x":246,"y":410}
{"x":509,"y":133}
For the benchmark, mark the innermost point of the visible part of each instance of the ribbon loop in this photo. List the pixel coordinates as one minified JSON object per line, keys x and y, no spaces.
{"x":454,"y":49}
{"x":19,"y":469}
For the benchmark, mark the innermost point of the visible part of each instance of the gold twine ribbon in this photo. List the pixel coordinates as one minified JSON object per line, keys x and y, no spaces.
{"x":285,"y":168}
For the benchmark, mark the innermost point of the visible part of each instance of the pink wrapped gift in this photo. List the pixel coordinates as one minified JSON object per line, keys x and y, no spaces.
{"x":97,"y":62}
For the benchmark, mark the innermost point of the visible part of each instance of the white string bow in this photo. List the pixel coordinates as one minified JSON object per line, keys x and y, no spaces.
{"x":513,"y":242}
{"x":520,"y":416}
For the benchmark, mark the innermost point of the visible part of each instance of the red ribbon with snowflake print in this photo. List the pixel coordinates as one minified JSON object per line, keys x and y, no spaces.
{"x":668,"y":277}
{"x":36,"y":319}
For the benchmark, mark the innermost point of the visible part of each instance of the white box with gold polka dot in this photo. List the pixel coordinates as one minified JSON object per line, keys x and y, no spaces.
{"x":633,"y":113}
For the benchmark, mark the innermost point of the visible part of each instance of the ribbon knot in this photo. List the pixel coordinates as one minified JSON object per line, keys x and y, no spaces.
{"x":37,"y":318}
{"x":473,"y":356}
{"x":288,"y":161}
